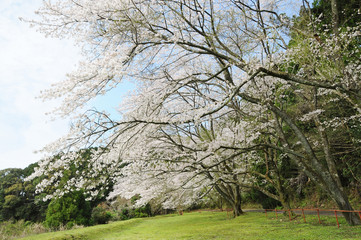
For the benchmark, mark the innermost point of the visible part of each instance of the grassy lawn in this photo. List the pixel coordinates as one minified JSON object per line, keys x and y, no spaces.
{"x":210,"y":225}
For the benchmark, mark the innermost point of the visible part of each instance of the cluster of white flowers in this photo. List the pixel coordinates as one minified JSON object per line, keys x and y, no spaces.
{"x":207,"y":94}
{"x":311,"y":115}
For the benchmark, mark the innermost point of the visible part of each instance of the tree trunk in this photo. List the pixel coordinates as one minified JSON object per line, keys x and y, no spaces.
{"x":318,"y":172}
{"x":285,"y":202}
{"x":335,"y":18}
{"x":342,"y":202}
{"x":232,"y":195}
{"x":237,"y":208}
{"x":233,"y":198}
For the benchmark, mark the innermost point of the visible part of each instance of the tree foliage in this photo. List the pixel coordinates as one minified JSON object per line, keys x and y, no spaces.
{"x":68,"y":210}
{"x":220,"y":93}
{"x":17,"y":197}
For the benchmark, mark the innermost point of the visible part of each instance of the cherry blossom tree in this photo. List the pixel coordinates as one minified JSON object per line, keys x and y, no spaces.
{"x":214,"y":82}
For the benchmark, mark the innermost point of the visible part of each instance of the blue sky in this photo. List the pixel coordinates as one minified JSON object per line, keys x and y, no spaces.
{"x":29,"y":62}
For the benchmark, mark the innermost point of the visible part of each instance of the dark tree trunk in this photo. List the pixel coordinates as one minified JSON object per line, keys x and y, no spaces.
{"x":237,"y":206}
{"x":342,"y":202}
{"x":237,"y":210}
{"x":232,"y":197}
{"x":318,"y":172}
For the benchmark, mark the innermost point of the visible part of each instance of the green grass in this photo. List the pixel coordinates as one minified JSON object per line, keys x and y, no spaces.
{"x":12,"y":230}
{"x":209,"y":225}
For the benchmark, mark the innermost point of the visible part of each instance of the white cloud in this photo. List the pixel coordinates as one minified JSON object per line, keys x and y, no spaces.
{"x":29,"y":63}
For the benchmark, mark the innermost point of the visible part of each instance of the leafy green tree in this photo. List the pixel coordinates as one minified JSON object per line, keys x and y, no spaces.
{"x":346,"y":11}
{"x":17,"y":197}
{"x":68,"y":210}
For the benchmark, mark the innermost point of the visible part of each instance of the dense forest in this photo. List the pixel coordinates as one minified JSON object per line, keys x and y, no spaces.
{"x":238,"y":102}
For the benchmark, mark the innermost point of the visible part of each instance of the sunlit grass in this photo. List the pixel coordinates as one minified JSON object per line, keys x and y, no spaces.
{"x":211,"y":225}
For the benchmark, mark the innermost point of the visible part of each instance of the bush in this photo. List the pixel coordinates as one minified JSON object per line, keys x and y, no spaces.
{"x":100,"y":215}
{"x":140,"y":212}
{"x":124,"y":214}
{"x":69,"y":210}
{"x":12,"y":230}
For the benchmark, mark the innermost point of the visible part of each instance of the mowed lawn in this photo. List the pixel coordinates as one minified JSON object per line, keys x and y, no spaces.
{"x":207,"y":225}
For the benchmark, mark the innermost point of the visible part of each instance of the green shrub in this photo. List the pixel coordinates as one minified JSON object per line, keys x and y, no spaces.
{"x":68,"y":210}
{"x":140,"y":212}
{"x":124,"y":214}
{"x":100,"y":215}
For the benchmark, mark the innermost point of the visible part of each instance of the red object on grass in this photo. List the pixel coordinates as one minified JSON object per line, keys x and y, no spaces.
{"x":338,"y":225}
{"x":318,"y":213}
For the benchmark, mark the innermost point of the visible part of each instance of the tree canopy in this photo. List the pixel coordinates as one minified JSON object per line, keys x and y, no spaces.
{"x":228,"y":93}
